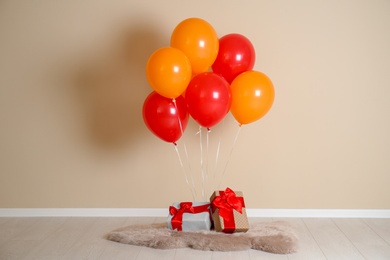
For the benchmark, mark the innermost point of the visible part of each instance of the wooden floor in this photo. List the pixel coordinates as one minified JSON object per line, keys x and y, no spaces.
{"x":83,"y":238}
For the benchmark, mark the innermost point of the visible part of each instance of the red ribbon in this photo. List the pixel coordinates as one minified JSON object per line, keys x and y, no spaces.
{"x":226,"y":202}
{"x":185,"y":207}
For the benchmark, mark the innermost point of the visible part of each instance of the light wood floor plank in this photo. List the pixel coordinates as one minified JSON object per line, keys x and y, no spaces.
{"x":308,"y":247}
{"x":92,"y":243}
{"x":260,"y":255}
{"x":147,"y":253}
{"x":31,"y":234}
{"x":333,"y":243}
{"x":144,"y":220}
{"x":235,"y":255}
{"x":191,"y":254}
{"x":42,"y":228}
{"x":15,"y":227}
{"x":16,"y":249}
{"x":11,"y":230}
{"x":61,"y":240}
{"x":84,"y":238}
{"x":4,"y":220}
{"x":381,"y":227}
{"x":369,"y":244}
{"x":255,"y":220}
{"x":119,"y":251}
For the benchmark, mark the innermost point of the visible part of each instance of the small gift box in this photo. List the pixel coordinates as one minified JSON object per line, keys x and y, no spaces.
{"x":228,"y":211}
{"x":189,"y":216}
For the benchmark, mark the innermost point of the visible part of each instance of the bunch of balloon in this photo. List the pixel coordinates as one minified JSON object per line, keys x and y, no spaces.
{"x":183,"y":69}
{"x":205,"y":77}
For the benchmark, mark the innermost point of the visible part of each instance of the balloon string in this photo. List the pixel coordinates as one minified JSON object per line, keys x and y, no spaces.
{"x":201,"y":163}
{"x":184,"y":171}
{"x":193,"y":190}
{"x":229,"y":156}
{"x":207,"y":161}
{"x":191,"y":172}
{"x":217,"y":154}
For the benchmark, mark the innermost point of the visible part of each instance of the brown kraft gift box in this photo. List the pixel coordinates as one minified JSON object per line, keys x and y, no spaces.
{"x":228,"y":211}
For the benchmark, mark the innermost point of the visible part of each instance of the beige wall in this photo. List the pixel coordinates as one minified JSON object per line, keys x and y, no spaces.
{"x":72,"y":85}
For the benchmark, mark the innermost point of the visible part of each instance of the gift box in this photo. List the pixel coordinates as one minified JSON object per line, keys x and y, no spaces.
{"x":189,"y":216}
{"x":228,"y":211}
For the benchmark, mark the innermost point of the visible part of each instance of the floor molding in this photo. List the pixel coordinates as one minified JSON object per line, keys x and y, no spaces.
{"x":162,"y":212}
{"x":319,"y":213}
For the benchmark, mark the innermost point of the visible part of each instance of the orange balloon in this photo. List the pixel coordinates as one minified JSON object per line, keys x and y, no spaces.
{"x":199,"y":41}
{"x":168,"y":71}
{"x":252,"y":96}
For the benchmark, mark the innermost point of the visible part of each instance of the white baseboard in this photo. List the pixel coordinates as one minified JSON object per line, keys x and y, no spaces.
{"x":163,"y":212}
{"x":319,"y":213}
{"x":83,"y":212}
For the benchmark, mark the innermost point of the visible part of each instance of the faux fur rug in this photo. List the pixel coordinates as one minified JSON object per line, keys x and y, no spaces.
{"x":274,"y":237}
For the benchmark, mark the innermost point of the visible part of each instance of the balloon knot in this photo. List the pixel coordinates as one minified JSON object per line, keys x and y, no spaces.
{"x":174,"y":143}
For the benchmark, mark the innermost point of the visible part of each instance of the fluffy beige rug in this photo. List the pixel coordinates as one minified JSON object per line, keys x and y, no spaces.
{"x":274,"y":237}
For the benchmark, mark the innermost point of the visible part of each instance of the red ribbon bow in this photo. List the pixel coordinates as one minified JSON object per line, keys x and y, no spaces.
{"x":185,"y":207}
{"x":226,"y":202}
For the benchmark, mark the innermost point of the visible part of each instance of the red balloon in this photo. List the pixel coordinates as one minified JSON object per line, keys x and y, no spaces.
{"x":235,"y":56}
{"x":208,"y":98}
{"x":165,"y":119}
